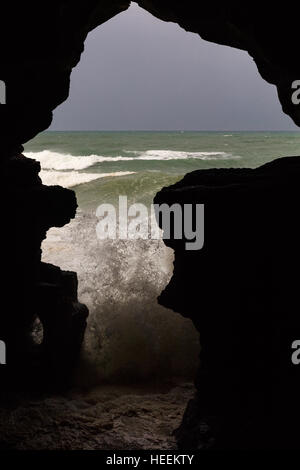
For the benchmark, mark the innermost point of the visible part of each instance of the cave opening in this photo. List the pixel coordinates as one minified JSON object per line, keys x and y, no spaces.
{"x":248,"y":294}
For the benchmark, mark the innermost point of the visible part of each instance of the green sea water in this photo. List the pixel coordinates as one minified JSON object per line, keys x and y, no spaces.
{"x":97,"y":164}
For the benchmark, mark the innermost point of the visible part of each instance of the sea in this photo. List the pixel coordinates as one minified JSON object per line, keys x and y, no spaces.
{"x":130,"y":338}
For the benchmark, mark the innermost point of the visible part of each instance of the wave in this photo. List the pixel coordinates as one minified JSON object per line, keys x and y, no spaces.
{"x":68,"y":179}
{"x":59,"y":161}
{"x":129,"y":337}
{"x":179,"y":155}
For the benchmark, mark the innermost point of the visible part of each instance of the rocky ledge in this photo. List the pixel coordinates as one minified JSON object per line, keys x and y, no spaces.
{"x":241,"y":292}
{"x":32,"y":290}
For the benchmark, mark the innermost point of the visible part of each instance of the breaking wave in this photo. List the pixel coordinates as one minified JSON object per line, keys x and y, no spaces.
{"x":129,"y":337}
{"x":68,"y":179}
{"x":177,"y":155}
{"x":58,"y":161}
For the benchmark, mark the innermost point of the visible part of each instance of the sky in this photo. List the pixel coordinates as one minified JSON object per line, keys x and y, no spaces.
{"x":140,"y":73}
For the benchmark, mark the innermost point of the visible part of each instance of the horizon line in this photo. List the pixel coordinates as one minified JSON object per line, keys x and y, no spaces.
{"x":171,"y":130}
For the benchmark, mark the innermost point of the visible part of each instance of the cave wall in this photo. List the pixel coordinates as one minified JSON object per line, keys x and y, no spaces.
{"x":41,"y":43}
{"x":241,"y":292}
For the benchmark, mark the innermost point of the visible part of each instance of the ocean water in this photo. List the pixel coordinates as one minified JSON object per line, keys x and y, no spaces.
{"x":130,"y":337}
{"x":139,"y":163}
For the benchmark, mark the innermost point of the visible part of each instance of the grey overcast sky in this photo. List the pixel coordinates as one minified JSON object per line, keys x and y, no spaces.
{"x":139,"y":73}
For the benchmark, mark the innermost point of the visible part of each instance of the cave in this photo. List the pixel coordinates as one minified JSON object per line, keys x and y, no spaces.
{"x":247,"y":387}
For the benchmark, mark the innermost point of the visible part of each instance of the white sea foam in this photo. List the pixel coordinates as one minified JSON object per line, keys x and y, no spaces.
{"x":69,"y":179}
{"x":59,"y":161}
{"x":119,"y":281}
{"x":178,"y":155}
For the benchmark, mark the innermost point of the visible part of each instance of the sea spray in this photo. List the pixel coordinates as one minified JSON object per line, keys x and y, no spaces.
{"x":129,"y":337}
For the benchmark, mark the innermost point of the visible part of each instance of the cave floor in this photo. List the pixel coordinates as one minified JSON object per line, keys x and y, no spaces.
{"x":107,"y":417}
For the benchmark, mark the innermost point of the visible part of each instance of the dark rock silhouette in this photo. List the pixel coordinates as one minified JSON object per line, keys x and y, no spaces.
{"x":240,"y":290}
{"x":32,"y":289}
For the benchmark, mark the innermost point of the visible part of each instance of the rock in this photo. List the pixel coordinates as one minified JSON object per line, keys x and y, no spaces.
{"x":105,"y":418}
{"x":32,"y":289}
{"x":63,"y":319}
{"x":41,"y":45}
{"x":241,"y":292}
